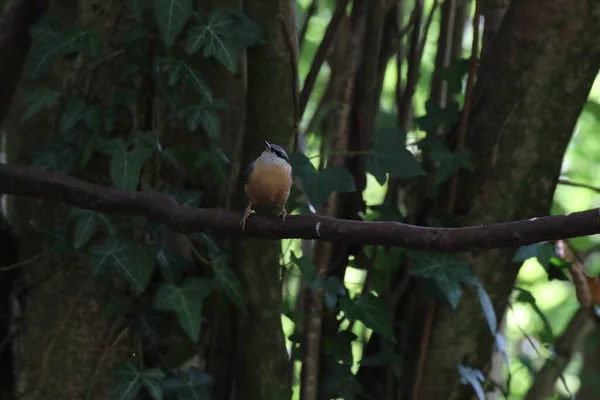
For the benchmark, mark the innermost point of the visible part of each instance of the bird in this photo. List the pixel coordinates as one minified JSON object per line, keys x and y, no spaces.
{"x":268,"y":181}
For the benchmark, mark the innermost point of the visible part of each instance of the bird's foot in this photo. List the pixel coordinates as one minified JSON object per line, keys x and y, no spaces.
{"x":249,"y":211}
{"x":282,"y":214}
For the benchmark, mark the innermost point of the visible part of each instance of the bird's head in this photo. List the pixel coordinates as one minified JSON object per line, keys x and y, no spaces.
{"x":274,"y":154}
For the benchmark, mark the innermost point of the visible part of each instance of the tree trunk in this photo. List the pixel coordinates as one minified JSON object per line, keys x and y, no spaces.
{"x":531,"y":87}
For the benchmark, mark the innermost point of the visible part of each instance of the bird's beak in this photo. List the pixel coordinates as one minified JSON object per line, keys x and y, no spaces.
{"x":267,"y":146}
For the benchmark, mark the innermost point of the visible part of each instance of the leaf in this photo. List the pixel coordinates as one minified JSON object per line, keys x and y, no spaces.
{"x":55,"y":240}
{"x":227,"y":279}
{"x":474,"y":377}
{"x":189,"y":198}
{"x":446,"y":270}
{"x":130,"y":380}
{"x":172,"y":264}
{"x":436,"y":116}
{"x":546,"y":256}
{"x":454,"y":74}
{"x":525,"y":296}
{"x":318,"y":185}
{"x":186,"y":301}
{"x":81,"y":40}
{"x":391,"y":157}
{"x":223,"y":35}
{"x":40,"y":98}
{"x":486,"y":304}
{"x":146,"y":320}
{"x":171,"y":17}
{"x":137,"y":8}
{"x":125,"y":257}
{"x":125,"y":167}
{"x":333,"y":288}
{"x":57,"y":156}
{"x":74,"y":112}
{"x":205,"y":116}
{"x":339,"y":381}
{"x":191,"y":384}
{"x":84,"y":229}
{"x":308,"y":270}
{"x":371,"y":311}
{"x":196,"y":80}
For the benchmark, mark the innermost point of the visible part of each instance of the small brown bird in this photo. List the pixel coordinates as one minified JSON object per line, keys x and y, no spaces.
{"x":268,"y":180}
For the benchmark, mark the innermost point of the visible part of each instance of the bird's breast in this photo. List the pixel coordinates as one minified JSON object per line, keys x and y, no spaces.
{"x":269,"y":184}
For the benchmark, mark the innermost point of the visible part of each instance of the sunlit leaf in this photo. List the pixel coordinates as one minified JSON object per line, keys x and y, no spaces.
{"x":546,"y":256}
{"x":124,"y":256}
{"x":186,"y":301}
{"x":171,"y":17}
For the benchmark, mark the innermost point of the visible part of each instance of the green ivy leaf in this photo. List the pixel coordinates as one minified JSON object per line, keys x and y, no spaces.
{"x":171,"y":16}
{"x":40,"y":98}
{"x":58,"y":156}
{"x":179,"y":68}
{"x":172,"y":264}
{"x":308,"y":270}
{"x":436,"y":116}
{"x":227,"y":279}
{"x":130,"y":380}
{"x":74,"y":112}
{"x":55,"y":240}
{"x":454,"y":74}
{"x":446,"y":161}
{"x":84,"y":229}
{"x":318,"y":185}
{"x":223,"y":35}
{"x":339,"y":382}
{"x":81,"y":40}
{"x":122,"y":255}
{"x":545,"y":255}
{"x":204,"y":115}
{"x":446,"y":270}
{"x":189,"y":198}
{"x":125,"y":166}
{"x":191,"y":384}
{"x":391,"y":157}
{"x":137,"y":8}
{"x":186,"y":301}
{"x":371,"y":311}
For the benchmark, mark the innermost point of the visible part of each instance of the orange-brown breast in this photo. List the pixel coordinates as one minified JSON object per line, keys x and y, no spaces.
{"x":268,"y":184}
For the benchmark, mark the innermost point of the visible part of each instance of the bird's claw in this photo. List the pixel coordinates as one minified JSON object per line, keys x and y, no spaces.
{"x":249,"y":211}
{"x":282,"y":214}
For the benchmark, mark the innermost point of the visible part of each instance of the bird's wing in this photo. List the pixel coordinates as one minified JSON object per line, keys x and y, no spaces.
{"x":248,"y":171}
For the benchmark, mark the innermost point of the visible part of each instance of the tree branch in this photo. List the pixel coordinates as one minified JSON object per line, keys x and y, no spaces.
{"x":25,"y":181}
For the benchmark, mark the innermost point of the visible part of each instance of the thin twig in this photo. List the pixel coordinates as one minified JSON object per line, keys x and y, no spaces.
{"x":312,"y":9}
{"x":423,"y":349}
{"x":464,"y":118}
{"x":567,"y":182}
{"x":321,"y":54}
{"x":24,"y":262}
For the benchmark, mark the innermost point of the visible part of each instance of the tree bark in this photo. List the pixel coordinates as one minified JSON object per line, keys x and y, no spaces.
{"x":531,"y":87}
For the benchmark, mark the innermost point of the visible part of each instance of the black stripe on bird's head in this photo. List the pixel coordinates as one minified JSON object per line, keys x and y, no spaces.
{"x":277,"y":150}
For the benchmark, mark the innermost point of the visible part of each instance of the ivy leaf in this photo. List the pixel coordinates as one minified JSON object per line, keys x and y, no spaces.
{"x":446,"y":161}
{"x":436,"y":116}
{"x":46,"y":37}
{"x":74,"y":112}
{"x":125,"y":166}
{"x":227,"y":279}
{"x":190,"y":198}
{"x":545,"y":255}
{"x":191,"y":384}
{"x":55,"y":240}
{"x":391,"y":157}
{"x":40,"y":98}
{"x":446,"y":270}
{"x":525,"y":296}
{"x":318,"y":185}
{"x":333,"y":288}
{"x":172,"y":264}
{"x":85,"y":228}
{"x":371,"y":311}
{"x":308,"y":270}
{"x":171,"y":16}
{"x":339,"y":382}
{"x":186,"y":301}
{"x":180,"y":69}
{"x":204,"y":115}
{"x":81,"y":40}
{"x":130,"y":380}
{"x":454,"y":74}
{"x":125,"y":257}
{"x":58,"y":156}
{"x":222,"y":35}
{"x":137,"y":8}
{"x":146,"y":320}
{"x":486,"y":303}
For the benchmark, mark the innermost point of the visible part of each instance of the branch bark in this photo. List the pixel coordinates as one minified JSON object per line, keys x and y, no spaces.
{"x":25,"y":181}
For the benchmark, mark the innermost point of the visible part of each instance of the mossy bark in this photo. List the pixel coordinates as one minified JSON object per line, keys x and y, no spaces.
{"x":65,"y":346}
{"x":263,"y":367}
{"x":532,"y":84}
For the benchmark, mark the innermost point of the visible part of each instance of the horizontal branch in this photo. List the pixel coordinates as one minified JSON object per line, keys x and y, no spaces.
{"x":25,"y":181}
